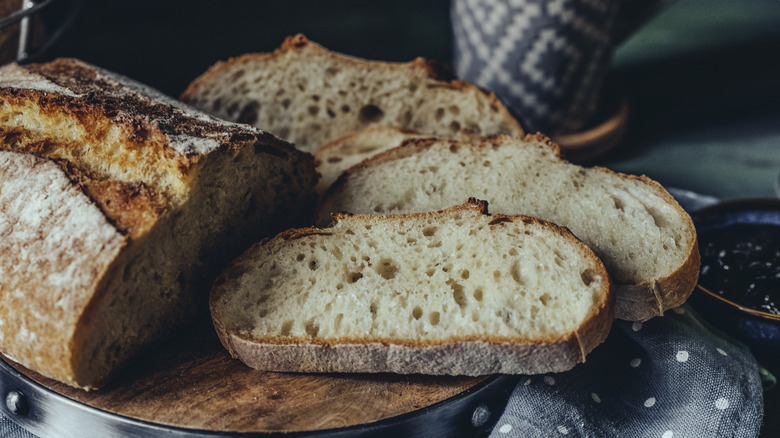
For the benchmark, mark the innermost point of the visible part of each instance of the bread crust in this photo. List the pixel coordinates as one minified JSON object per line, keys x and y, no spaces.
{"x":57,"y":263}
{"x":638,"y":301}
{"x":458,"y":355}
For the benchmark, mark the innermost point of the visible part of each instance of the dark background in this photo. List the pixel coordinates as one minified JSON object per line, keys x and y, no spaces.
{"x":699,"y":63}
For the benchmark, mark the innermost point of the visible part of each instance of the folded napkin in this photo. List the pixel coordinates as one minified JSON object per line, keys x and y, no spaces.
{"x":672,"y":376}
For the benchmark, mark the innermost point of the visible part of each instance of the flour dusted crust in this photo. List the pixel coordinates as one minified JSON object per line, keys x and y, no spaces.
{"x":116,"y":205}
{"x":310,"y":95}
{"x":55,"y":245}
{"x":362,"y":352}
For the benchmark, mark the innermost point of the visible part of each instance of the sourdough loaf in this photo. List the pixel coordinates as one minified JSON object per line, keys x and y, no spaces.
{"x":456,"y":292}
{"x":645,"y":239}
{"x":118,"y":206}
{"x":309,"y":95}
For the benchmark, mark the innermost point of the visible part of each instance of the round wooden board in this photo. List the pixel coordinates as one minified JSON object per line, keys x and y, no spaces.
{"x":191,"y":382}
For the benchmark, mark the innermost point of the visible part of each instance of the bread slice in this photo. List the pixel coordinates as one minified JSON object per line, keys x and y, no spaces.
{"x":646,"y":240}
{"x":118,"y":207}
{"x":456,"y":292}
{"x":309,"y":95}
{"x":336,"y":156}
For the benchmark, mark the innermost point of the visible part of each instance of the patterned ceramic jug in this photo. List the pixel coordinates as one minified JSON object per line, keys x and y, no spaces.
{"x":545,"y":58}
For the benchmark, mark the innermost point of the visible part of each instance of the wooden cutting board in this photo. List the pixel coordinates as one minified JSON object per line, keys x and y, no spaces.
{"x":191,"y":382}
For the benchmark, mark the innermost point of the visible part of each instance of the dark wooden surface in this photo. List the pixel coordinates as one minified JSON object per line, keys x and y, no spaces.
{"x":191,"y":382}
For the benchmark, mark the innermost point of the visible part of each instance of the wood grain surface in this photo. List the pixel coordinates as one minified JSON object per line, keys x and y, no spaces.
{"x":191,"y":382}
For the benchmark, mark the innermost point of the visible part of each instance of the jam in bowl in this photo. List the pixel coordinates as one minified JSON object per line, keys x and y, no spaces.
{"x":739,"y":280}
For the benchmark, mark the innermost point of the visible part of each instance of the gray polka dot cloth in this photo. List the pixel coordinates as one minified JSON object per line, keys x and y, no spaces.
{"x":672,"y":376}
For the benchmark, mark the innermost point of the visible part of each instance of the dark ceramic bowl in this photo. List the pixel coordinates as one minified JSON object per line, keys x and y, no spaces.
{"x":759,"y":330}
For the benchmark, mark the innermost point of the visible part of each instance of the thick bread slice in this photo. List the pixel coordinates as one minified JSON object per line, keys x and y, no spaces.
{"x":309,"y":95}
{"x":117,"y":206}
{"x":454,"y":292}
{"x":647,"y":241}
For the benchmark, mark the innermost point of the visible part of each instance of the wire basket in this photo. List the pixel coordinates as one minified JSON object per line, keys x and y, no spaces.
{"x":29,"y":28}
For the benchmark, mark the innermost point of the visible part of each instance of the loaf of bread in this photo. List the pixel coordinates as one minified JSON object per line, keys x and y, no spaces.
{"x":456,"y":292}
{"x":118,"y":207}
{"x":309,"y":95}
{"x":646,"y":240}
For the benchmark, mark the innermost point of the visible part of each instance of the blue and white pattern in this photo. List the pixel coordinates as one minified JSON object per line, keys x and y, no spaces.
{"x":545,"y":58}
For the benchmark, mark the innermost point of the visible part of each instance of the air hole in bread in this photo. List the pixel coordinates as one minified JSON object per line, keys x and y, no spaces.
{"x":340,"y":286}
{"x":331,"y":71}
{"x":248,"y":113}
{"x":286,"y":103}
{"x":337,"y":322}
{"x":334,"y":159}
{"x":311,"y":328}
{"x":300,"y":257}
{"x":514,"y":271}
{"x":587,"y":277}
{"x":370,"y":114}
{"x":659,"y":220}
{"x":315,"y":97}
{"x":435,"y":244}
{"x":454,"y":126}
{"x":313,"y":110}
{"x":464,"y":274}
{"x":345,"y":109}
{"x":217,"y":105}
{"x":353,"y":277}
{"x":475,"y":315}
{"x":387,"y":269}
{"x":457,"y":293}
{"x":429,"y":231}
{"x":618,"y":203}
{"x":486,"y":163}
{"x":434,"y":318}
{"x":237,"y":75}
{"x":330,"y":112}
{"x":496,"y":274}
{"x":286,"y":328}
{"x":545,"y":298}
{"x":439,"y":114}
{"x":430,"y":272}
{"x":313,"y":265}
{"x":417,"y":312}
{"x":232,"y":109}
